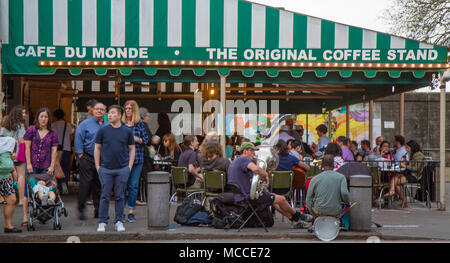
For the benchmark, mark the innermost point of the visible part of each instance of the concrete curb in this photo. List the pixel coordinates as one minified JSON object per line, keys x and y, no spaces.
{"x":164,"y":235}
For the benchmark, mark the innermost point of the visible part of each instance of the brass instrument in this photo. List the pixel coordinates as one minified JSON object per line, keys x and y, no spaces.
{"x":317,"y":163}
{"x":266,"y":159}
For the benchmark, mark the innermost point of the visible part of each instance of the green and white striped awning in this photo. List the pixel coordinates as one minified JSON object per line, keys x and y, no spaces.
{"x":40,"y":36}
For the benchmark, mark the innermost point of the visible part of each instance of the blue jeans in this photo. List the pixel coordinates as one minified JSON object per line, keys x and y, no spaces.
{"x":35,"y":171}
{"x":112,"y":179}
{"x":133,"y":185}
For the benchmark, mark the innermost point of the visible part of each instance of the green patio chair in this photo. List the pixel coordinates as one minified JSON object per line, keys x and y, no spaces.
{"x":215,"y":182}
{"x":179,"y":182}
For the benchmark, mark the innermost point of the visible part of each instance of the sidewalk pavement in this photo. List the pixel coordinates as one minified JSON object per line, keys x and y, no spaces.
{"x":407,"y":224}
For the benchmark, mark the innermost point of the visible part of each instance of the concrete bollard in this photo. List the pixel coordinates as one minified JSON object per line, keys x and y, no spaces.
{"x":158,"y":188}
{"x":361,"y":192}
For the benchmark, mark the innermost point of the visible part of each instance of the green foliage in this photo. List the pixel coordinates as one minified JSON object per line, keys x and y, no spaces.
{"x":422,"y":20}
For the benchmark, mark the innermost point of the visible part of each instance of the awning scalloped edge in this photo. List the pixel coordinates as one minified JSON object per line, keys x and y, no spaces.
{"x":249,"y":73}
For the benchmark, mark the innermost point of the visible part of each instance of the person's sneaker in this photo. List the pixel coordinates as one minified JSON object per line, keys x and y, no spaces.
{"x":131,"y":218}
{"x":311,"y":229}
{"x":101,"y":227}
{"x":44,"y":200}
{"x":119,"y":227}
{"x":51,"y":202}
{"x":140,"y":203}
{"x":302,"y":225}
{"x":306,"y":217}
{"x":65,"y":190}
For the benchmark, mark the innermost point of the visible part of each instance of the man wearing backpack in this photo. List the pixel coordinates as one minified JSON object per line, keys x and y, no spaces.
{"x":240,"y":173}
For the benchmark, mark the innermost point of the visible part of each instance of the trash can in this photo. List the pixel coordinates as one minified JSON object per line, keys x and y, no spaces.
{"x":361,"y":192}
{"x":158,"y":188}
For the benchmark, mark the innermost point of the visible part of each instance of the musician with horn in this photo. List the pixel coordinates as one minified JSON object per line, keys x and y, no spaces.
{"x":241,"y":171}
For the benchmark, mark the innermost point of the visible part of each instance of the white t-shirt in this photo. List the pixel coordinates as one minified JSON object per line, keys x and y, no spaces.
{"x":58,"y":126}
{"x":16,"y":135}
{"x":324,"y":141}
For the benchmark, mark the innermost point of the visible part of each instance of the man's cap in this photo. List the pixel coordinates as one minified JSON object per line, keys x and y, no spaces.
{"x":248,"y":145}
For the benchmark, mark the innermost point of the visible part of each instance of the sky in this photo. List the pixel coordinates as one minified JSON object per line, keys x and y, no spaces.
{"x":359,"y":13}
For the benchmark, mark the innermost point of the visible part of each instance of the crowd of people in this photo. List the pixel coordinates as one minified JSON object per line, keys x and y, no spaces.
{"x":114,"y":150}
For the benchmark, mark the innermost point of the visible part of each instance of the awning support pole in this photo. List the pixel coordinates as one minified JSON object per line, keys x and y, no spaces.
{"x":371,"y":122}
{"x":347,"y":122}
{"x":307,"y":129}
{"x":402,"y":114}
{"x":442,"y":144}
{"x":223,"y":112}
{"x":329,"y":124}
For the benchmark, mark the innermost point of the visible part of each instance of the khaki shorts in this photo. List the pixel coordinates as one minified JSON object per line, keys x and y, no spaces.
{"x":197,"y":185}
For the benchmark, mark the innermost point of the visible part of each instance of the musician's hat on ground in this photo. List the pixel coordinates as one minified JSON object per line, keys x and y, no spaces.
{"x":248,"y":145}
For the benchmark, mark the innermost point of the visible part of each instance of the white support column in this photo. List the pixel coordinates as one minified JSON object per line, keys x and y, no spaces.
{"x":223,"y":113}
{"x":370,"y":121}
{"x":442,"y":139}
{"x":402,"y":114}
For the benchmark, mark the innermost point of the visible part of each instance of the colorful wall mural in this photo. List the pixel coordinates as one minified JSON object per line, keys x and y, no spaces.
{"x":249,"y":125}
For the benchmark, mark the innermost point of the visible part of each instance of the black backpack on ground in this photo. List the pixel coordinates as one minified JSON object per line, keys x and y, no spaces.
{"x":187,"y":209}
{"x":225,"y":212}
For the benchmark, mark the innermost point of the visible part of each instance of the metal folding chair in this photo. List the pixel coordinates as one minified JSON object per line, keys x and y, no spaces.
{"x":237,"y":190}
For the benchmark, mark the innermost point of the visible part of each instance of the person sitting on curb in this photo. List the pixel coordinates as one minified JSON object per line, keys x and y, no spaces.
{"x":327,"y":192}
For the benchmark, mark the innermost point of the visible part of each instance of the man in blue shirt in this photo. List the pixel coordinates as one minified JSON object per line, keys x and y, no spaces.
{"x":114,"y":157}
{"x":400,"y":150}
{"x":84,"y":149}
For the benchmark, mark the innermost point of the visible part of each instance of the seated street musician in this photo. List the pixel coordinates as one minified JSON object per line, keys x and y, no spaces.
{"x":240,"y":172}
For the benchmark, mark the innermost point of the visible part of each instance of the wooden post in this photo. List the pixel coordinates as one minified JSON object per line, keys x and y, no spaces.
{"x":329,"y":124}
{"x":402,"y":114}
{"x":307,"y":129}
{"x":222,"y":113}
{"x":347,"y":122}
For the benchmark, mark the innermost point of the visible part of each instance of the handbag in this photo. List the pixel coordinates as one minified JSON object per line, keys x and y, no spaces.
{"x":6,"y":164}
{"x":58,"y":173}
{"x":21,"y":153}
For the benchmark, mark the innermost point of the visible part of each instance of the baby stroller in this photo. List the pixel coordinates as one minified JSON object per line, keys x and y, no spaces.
{"x":43,"y":213}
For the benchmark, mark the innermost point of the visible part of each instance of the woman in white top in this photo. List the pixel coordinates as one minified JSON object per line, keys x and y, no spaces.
{"x":13,"y":125}
{"x":323,"y":140}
